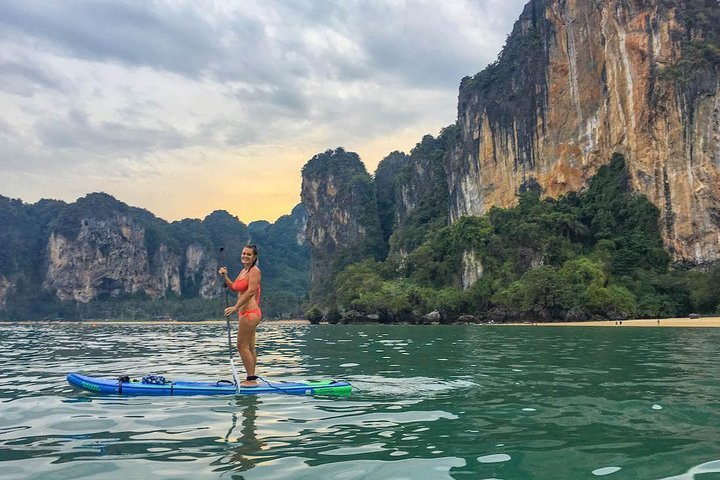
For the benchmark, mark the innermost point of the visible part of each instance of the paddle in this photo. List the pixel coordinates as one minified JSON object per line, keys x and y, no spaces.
{"x":227,"y":322}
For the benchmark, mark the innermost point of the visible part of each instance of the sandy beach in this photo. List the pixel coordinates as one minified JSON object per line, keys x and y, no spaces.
{"x":652,"y":322}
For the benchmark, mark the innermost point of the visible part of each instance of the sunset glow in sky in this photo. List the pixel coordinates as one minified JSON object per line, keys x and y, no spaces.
{"x":185,"y":107}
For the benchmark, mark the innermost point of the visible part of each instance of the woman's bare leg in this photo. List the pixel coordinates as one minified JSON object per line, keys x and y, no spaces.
{"x":246,"y":345}
{"x":252,"y":345}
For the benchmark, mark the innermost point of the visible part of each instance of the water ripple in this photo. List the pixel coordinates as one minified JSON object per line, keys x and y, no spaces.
{"x":430,"y":403}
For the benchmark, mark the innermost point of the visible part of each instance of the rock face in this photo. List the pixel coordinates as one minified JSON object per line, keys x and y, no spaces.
{"x":577,"y":81}
{"x":5,"y":288}
{"x":418,"y":185}
{"x":201,"y":267}
{"x":387,"y":181}
{"x":108,"y":258}
{"x":580,"y":80}
{"x":99,"y":248}
{"x":284,"y":258}
{"x":342,"y":218}
{"x":472,"y":269}
{"x":298,"y":218}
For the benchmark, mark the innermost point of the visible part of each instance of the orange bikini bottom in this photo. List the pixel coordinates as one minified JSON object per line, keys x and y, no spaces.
{"x":247,"y":313}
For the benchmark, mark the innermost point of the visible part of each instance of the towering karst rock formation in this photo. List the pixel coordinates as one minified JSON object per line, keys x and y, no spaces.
{"x":581,"y":79}
{"x":99,"y":247}
{"x":577,"y":81}
{"x":343,"y":224}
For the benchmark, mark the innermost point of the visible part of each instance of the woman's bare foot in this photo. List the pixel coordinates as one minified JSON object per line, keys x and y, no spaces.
{"x":250,"y":381}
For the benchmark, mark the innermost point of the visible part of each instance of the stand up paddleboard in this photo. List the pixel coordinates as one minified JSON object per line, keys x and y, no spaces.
{"x":126,"y":386}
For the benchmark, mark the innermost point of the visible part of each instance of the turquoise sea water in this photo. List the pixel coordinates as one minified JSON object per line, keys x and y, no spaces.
{"x":431,"y":402}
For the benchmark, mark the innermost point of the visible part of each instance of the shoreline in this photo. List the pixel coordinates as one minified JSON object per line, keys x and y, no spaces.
{"x":703,"y":322}
{"x":684,"y":322}
{"x":145,"y":322}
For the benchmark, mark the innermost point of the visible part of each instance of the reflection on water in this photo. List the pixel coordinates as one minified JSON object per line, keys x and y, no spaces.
{"x":246,"y":444}
{"x":429,"y":402}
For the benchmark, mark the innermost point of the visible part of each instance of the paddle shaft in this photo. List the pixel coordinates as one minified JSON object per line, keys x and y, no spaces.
{"x":227,"y":322}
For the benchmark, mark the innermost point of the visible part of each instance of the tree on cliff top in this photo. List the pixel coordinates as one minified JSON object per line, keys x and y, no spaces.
{"x":333,"y":162}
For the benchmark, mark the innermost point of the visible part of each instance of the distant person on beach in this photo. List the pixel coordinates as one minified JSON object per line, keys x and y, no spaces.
{"x":248,"y":287}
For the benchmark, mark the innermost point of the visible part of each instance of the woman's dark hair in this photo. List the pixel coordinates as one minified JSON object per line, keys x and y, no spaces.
{"x":255,"y":251}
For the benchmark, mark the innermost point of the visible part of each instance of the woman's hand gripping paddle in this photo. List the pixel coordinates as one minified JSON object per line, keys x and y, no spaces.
{"x":227,"y":322}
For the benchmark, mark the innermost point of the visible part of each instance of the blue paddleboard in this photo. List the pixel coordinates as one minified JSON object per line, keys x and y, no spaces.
{"x":223,"y":387}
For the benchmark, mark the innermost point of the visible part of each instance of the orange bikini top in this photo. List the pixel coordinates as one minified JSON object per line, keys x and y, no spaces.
{"x":241,"y":285}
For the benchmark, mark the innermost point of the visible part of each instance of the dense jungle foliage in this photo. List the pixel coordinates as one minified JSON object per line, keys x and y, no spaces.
{"x":594,"y":254}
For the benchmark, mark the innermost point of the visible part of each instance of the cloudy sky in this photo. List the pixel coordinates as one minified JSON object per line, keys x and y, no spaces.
{"x":185,"y":107}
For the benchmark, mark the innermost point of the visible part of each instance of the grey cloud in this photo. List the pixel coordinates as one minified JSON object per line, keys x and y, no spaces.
{"x":428,"y":48}
{"x":11,"y":146}
{"x":280,"y":61}
{"x":185,"y":39}
{"x":138,"y":33}
{"x":233,"y":133}
{"x":264,"y":41}
{"x":278,"y":99}
{"x":7,"y":130}
{"x":75,"y":131}
{"x":25,"y":79}
{"x":418,"y":42}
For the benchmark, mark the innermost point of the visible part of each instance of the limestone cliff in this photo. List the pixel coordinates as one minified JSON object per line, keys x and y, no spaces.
{"x":202,"y":267}
{"x":581,"y":79}
{"x":284,"y":256}
{"x":342,"y":218}
{"x":387,"y":183}
{"x":5,"y":290}
{"x":99,"y":248}
{"x":108,"y":258}
{"x":421,"y":193}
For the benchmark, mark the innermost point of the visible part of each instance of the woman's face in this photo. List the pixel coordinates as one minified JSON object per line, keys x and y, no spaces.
{"x":247,"y":255}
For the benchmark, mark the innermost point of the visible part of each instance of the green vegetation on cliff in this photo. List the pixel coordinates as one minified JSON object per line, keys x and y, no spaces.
{"x":387,"y":185}
{"x":426,"y":183}
{"x":169,"y":247}
{"x":594,"y":254}
{"x":340,"y":196}
{"x":699,"y":40}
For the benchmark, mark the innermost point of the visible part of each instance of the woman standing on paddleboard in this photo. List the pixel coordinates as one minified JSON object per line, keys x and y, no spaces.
{"x":247,"y":284}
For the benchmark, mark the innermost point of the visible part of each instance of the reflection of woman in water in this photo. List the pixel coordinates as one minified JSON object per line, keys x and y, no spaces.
{"x":248,"y":445}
